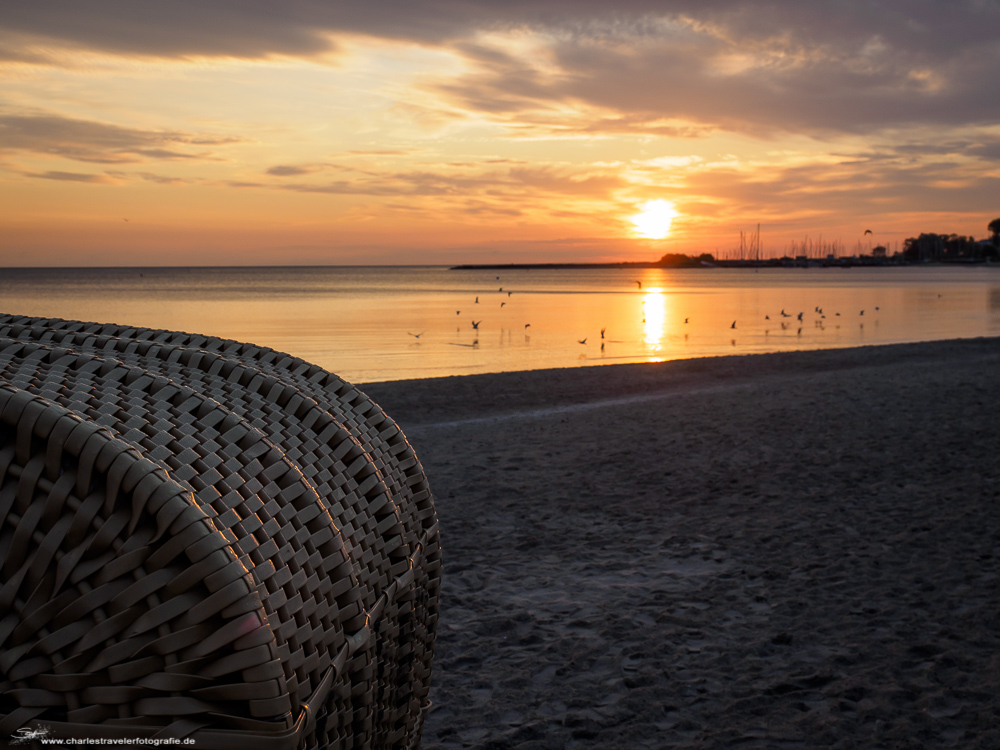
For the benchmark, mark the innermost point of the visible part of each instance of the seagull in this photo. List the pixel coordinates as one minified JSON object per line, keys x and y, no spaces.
{"x":862,"y":312}
{"x":477,"y":300}
{"x":416,"y":335}
{"x":527,"y":326}
{"x":784,"y":314}
{"x":475,"y":324}
{"x":501,"y":289}
{"x":800,"y":317}
{"x":766,"y":317}
{"x":502,"y":304}
{"x":639,"y":283}
{"x":733,"y":325}
{"x":583,"y":341}
{"x":602,"y":334}
{"x":868,"y":231}
{"x":685,"y":320}
{"x":458,"y":312}
{"x":509,"y":293}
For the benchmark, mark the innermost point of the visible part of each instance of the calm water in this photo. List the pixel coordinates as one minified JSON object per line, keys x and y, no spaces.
{"x":360,"y":322}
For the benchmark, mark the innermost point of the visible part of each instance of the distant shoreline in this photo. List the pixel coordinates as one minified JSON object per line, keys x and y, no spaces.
{"x":695,"y":263}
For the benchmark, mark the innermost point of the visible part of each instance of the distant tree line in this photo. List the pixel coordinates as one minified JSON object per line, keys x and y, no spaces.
{"x":927,"y":247}
{"x":678,"y":260}
{"x":953,"y":247}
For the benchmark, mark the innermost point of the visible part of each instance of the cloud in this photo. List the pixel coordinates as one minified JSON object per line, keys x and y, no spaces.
{"x":98,"y":142}
{"x":661,"y":67}
{"x":767,"y":70}
{"x":290,"y":171}
{"x":512,"y":178}
{"x":93,"y":179}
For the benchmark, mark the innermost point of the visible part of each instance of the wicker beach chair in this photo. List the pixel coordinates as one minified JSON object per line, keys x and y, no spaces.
{"x":207,"y":540}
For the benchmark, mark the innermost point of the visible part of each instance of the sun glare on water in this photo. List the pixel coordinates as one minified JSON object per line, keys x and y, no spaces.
{"x":654,"y":221}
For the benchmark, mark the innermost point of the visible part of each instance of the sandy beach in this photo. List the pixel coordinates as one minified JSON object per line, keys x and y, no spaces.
{"x":780,"y":551}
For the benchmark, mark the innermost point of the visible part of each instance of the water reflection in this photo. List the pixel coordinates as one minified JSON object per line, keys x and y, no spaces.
{"x":361,"y":323}
{"x":654,"y":321}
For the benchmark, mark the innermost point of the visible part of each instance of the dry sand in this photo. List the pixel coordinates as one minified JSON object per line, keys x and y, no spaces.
{"x":780,"y":551}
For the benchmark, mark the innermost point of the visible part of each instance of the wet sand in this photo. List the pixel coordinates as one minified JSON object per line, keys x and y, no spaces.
{"x":780,"y":551}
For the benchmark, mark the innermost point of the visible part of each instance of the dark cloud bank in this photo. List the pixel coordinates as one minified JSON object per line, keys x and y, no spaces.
{"x":762,"y":67}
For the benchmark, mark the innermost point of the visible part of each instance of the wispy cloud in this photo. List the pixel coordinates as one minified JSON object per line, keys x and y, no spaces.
{"x":100,"y":142}
{"x":93,"y":179}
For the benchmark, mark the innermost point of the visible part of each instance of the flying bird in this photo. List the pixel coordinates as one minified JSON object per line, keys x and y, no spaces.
{"x":583,"y":341}
{"x":475,"y":324}
{"x":733,"y":325}
{"x":416,"y":335}
{"x":639,"y":283}
{"x":502,"y":304}
{"x":527,"y":325}
{"x":868,"y":231}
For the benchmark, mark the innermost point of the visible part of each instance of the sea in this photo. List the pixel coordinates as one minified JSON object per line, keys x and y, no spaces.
{"x":371,"y":324}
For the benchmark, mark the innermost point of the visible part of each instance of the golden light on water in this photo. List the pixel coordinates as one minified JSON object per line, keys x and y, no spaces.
{"x":655,"y":219}
{"x":654,"y":323}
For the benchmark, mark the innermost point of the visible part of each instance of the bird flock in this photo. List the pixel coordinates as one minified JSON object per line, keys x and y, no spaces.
{"x":784,"y":318}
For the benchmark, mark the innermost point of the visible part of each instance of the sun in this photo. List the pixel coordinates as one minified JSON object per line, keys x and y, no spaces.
{"x":655,"y":219}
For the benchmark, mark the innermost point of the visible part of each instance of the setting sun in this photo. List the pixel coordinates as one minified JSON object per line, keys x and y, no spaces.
{"x":655,"y":219}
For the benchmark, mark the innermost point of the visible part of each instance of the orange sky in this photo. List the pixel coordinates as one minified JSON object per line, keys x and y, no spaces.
{"x":474,"y":131}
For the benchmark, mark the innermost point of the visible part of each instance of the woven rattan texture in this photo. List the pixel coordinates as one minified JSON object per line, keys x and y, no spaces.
{"x":220,"y":543}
